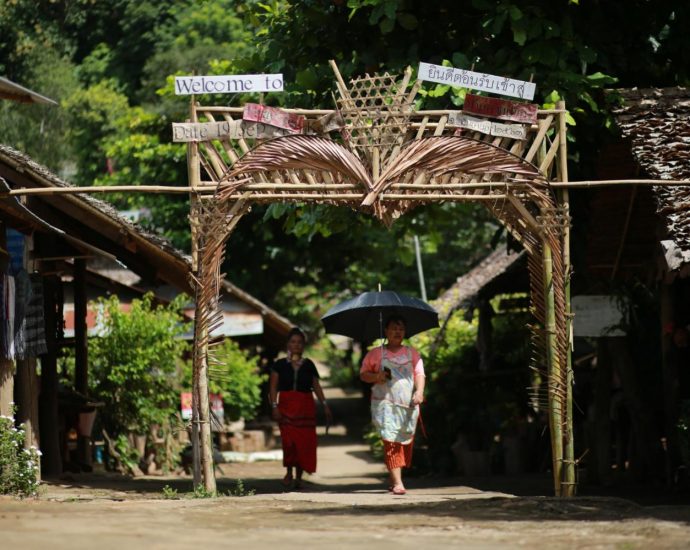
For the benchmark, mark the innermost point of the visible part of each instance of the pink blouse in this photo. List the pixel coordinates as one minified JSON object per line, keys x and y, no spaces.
{"x":372,"y":360}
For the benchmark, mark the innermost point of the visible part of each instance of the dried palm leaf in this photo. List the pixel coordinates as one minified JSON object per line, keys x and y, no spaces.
{"x":298,"y":152}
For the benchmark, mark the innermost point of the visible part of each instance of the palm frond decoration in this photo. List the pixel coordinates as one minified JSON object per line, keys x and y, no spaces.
{"x":298,"y":152}
{"x":440,"y":155}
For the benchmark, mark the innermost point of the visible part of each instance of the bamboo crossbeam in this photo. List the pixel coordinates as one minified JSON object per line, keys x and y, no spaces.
{"x":210,"y":189}
{"x":107,"y":189}
{"x":605,"y":183}
{"x":360,"y":196}
{"x":321,"y":112}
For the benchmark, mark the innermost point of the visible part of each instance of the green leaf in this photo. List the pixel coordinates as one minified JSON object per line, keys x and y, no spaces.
{"x":460,"y":60}
{"x":307,"y":79}
{"x":387,"y":25}
{"x":519,"y":34}
{"x":515,"y":13}
{"x":408,"y":21}
{"x":498,"y":22}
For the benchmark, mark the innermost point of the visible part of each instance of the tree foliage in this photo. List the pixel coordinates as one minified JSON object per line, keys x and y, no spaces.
{"x":124,"y":53}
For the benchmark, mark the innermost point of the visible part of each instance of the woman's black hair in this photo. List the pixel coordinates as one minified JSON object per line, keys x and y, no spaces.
{"x":296,"y":331}
{"x":395,"y":318}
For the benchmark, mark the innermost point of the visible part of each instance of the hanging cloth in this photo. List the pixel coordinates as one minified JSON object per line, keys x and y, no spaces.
{"x":35,"y":332}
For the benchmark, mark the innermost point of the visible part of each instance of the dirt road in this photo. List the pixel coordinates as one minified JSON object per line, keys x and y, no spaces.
{"x":344,"y":506}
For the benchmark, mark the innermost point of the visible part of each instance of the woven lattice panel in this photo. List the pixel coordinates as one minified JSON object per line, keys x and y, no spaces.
{"x":376,"y":110}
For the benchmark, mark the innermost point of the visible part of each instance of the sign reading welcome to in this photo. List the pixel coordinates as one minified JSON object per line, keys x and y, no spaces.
{"x":460,"y":78}
{"x":228,"y":84}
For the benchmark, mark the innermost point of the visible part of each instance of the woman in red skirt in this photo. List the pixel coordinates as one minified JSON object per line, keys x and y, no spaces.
{"x":292,"y":381}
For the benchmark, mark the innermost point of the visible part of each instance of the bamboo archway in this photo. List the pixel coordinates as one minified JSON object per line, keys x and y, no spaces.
{"x":391,"y":158}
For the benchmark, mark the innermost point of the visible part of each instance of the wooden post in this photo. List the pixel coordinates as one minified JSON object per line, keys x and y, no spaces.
{"x":6,"y":387}
{"x":570,"y":483}
{"x":6,"y":366}
{"x":554,"y":370}
{"x":601,"y":429}
{"x":201,"y":424}
{"x":51,"y":461}
{"x":670,"y":381}
{"x":81,"y":355}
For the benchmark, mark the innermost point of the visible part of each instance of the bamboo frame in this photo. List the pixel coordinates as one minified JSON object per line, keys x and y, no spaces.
{"x":209,"y":188}
{"x":395,"y":160}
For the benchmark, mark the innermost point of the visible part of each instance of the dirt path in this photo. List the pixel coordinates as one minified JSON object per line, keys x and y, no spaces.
{"x":344,"y":506}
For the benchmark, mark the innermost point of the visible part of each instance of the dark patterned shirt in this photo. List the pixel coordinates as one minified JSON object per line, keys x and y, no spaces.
{"x":290,"y":379}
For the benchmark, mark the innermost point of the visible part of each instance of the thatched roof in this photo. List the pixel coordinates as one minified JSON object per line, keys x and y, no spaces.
{"x":94,"y":225}
{"x":14,"y":92}
{"x":495,"y":273}
{"x":657,"y":123}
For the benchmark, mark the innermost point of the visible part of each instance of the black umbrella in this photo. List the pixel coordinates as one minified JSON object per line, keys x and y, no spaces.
{"x":362,"y":318}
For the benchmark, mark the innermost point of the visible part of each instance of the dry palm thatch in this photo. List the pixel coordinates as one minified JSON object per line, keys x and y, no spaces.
{"x":444,"y":154}
{"x":298,"y":152}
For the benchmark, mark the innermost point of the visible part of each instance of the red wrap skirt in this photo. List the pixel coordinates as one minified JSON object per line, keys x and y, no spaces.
{"x":298,"y":429}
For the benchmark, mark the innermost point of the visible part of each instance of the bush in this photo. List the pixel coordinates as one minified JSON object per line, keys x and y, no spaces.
{"x":135,"y":363}
{"x":18,"y":466}
{"x":233,"y":374}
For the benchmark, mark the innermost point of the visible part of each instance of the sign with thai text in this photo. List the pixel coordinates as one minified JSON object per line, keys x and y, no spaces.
{"x":228,"y":84}
{"x":501,"y":109}
{"x":461,"y":78}
{"x":253,"y":112}
{"x":513,"y":131}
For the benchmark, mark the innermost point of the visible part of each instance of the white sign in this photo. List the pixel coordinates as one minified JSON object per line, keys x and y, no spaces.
{"x":513,"y":131}
{"x":228,"y":84}
{"x":234,"y":129}
{"x":457,"y":118}
{"x":461,"y":78}
{"x":597,"y":316}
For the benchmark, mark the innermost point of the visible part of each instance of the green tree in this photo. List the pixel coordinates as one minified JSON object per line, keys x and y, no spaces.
{"x":235,"y":378}
{"x":136,"y":362}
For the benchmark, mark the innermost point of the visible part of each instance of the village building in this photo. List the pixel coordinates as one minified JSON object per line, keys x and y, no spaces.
{"x":69,"y":249}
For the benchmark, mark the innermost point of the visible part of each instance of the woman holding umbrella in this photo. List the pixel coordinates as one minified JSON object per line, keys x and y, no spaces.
{"x":294,"y":378}
{"x":397,"y":373}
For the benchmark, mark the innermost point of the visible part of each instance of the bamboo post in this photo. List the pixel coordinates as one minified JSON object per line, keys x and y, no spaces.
{"x":570,"y":481}
{"x":194,"y":177}
{"x":554,"y":369}
{"x":202,"y":450}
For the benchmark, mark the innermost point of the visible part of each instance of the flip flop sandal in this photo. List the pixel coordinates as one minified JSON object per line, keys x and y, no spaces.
{"x":397,"y":490}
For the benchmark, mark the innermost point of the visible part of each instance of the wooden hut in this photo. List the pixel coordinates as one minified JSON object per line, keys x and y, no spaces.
{"x":55,"y":238}
{"x":634,"y":250}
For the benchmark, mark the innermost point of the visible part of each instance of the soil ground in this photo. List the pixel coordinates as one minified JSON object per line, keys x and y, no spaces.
{"x":345,"y":505}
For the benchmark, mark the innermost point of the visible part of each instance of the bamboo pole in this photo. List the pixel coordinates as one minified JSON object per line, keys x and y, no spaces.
{"x":321,"y":112}
{"x":570,"y":480}
{"x":554,"y":369}
{"x":193,"y":176}
{"x":200,"y":400}
{"x":210,"y":187}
